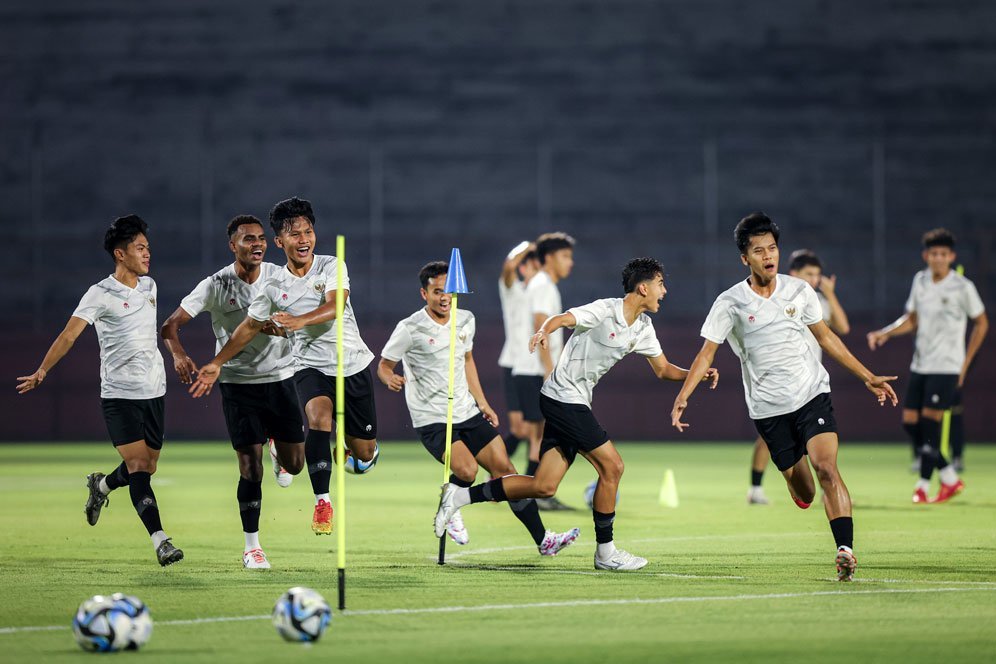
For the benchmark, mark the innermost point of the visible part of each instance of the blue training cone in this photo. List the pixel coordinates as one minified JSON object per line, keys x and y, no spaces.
{"x":456,"y":278}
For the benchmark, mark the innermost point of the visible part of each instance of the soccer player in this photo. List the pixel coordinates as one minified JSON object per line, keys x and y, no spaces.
{"x":940,"y":302}
{"x":807,"y":266}
{"x":257,"y":387}
{"x":519,"y":267}
{"x":422,"y":342}
{"x":766,"y":318}
{"x":555,"y":252}
{"x":605,"y":331}
{"x":122,"y":308}
{"x":301,"y":299}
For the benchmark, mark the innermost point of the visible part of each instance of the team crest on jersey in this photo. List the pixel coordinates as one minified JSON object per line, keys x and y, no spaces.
{"x":790,"y":311}
{"x":126,"y":306}
{"x":944,"y":301}
{"x":231,"y":301}
{"x":462,"y":336}
{"x":320,"y":288}
{"x":152,"y":301}
{"x":750,"y":319}
{"x":283,"y":296}
{"x":612,"y":335}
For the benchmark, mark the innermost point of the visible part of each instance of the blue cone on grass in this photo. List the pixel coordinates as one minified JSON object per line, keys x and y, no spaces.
{"x":456,"y":278}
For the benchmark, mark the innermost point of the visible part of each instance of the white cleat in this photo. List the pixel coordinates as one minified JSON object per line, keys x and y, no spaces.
{"x":621,"y":561}
{"x":553,"y":543}
{"x":446,"y":509}
{"x":255,"y":559}
{"x":755,"y":496}
{"x":456,"y":530}
{"x":284,"y":478}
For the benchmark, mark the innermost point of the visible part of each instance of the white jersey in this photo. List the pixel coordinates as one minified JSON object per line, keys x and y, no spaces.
{"x":825,"y":307}
{"x":513,"y":310}
{"x":781,"y":370}
{"x":601,"y":338}
{"x":226,"y":297}
{"x":314,"y":345}
{"x":542,"y":297}
{"x":424,"y":347}
{"x":131,"y":366}
{"x":942,"y":312}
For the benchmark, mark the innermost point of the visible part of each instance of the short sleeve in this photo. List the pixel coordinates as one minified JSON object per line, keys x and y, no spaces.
{"x":332,"y":276}
{"x":91,"y":306}
{"x":470,"y":329}
{"x":971,"y":301}
{"x":198,"y":300}
{"x":812,"y":310}
{"x":590,"y":315}
{"x":719,"y":323}
{"x":648,"y":345}
{"x":911,"y":300}
{"x":261,"y":306}
{"x":543,"y":300}
{"x":398,"y":344}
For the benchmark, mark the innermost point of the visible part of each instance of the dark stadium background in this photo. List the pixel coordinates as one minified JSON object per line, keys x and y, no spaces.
{"x":639,"y":127}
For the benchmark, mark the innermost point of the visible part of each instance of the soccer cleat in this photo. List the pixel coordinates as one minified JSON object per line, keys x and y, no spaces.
{"x":96,"y":500}
{"x":553,"y":543}
{"x":457,"y":531}
{"x":284,"y":478}
{"x":551,"y":504}
{"x":255,"y":559}
{"x":755,"y":496}
{"x":920,"y":497}
{"x":948,"y":491}
{"x":802,"y":505}
{"x":446,"y":509}
{"x":167,"y":554}
{"x":846,"y":564}
{"x":321,"y":522}
{"x":621,"y":561}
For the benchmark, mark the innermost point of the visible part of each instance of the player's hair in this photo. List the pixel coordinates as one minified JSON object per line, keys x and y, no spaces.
{"x":123,"y":231}
{"x":639,"y":270}
{"x":241,"y":220}
{"x":292,"y":208}
{"x":548,"y":243}
{"x":801,"y":258}
{"x":755,"y":223}
{"x":938,"y":237}
{"x":431,"y":271}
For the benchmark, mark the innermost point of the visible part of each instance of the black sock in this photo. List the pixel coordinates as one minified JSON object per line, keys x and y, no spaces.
{"x":250,"y":495}
{"x":527,"y":512}
{"x":318,"y":455}
{"x":755,"y":477}
{"x":511,"y":444}
{"x":957,"y":433}
{"x":144,"y":500}
{"x":491,"y":490}
{"x":913,"y":430}
{"x":531,"y":467}
{"x":118,"y":477}
{"x":603,"y":526}
{"x":459,"y":482}
{"x":930,"y":452}
{"x":843,"y":531}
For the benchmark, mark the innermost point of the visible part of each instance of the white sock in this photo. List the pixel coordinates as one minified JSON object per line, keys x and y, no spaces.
{"x":605,"y":550}
{"x":845,"y":548}
{"x":461,"y":497}
{"x":158,"y":538}
{"x":922,"y":484}
{"x":322,"y":496}
{"x":102,"y":486}
{"x":252,"y":540}
{"x":948,"y":474}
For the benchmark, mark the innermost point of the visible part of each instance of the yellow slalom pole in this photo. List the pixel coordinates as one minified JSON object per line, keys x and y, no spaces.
{"x":946,"y":421}
{"x":340,"y":419}
{"x":449,"y":413}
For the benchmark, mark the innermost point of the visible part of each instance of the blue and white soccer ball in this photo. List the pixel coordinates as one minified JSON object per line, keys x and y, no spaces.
{"x":302,"y":615}
{"x":111,"y":623}
{"x":589,"y":494}
{"x":356,"y":467}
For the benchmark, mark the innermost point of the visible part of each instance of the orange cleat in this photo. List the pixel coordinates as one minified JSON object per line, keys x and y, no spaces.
{"x":920,"y":497}
{"x":948,"y":491}
{"x":321,"y":523}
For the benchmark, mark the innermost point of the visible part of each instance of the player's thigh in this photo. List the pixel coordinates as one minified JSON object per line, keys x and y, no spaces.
{"x":462,"y":462}
{"x":551,"y":470}
{"x":494,"y":458}
{"x":822,"y":450}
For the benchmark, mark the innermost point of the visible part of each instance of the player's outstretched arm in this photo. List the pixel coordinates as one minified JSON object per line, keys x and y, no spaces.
{"x":696,"y":374}
{"x":980,"y":328}
{"x":548,"y":327}
{"x":322,"y":314}
{"x":474,"y":385}
{"x":512,"y":261}
{"x":170,"y":332}
{"x":905,"y":324}
{"x":208,"y":374}
{"x":385,"y":372}
{"x":664,"y":370}
{"x":56,"y":352}
{"x":835,"y":348}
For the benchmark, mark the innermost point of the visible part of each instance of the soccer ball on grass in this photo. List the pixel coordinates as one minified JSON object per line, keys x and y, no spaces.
{"x":111,"y":623}
{"x":301,"y":614}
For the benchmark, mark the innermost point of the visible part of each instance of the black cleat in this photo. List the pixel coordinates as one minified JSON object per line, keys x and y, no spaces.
{"x":167,"y":554}
{"x":552,"y":505}
{"x":96,"y":500}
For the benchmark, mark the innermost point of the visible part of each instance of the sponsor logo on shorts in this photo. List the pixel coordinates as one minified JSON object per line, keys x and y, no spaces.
{"x":821,"y":421}
{"x":368,"y":428}
{"x":934,"y":398}
{"x":790,"y":311}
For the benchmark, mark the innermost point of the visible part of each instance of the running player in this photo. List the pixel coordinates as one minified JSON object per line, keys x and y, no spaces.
{"x":807,"y":266}
{"x":605,"y":331}
{"x":422,"y":342}
{"x":940,"y":302}
{"x":766,"y":318}
{"x":257,"y":390}
{"x":301,"y":299}
{"x":519,"y":267}
{"x":122,"y":308}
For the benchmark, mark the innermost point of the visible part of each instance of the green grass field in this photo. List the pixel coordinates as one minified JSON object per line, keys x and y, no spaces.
{"x":725,"y":582}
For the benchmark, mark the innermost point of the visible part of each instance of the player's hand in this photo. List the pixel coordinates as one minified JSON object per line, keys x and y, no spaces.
{"x":879,"y":386}
{"x":184,"y":368}
{"x":489,"y":414}
{"x":876,"y":339}
{"x":29,"y":383}
{"x":272,"y":329}
{"x":288,"y":322}
{"x":828,"y":284}
{"x":713,"y":374}
{"x":206,"y":378}
{"x":395,"y":383}
{"x":961,"y":378}
{"x":679,"y":409}
{"x":538,"y":339}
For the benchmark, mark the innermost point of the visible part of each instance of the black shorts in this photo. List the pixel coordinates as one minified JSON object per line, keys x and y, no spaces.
{"x":131,"y":420}
{"x":511,"y":396}
{"x":787,"y":435}
{"x":937,"y":391}
{"x":259,"y":411}
{"x":527,"y":389}
{"x":476,"y":433}
{"x":361,"y":411}
{"x":571,"y":427}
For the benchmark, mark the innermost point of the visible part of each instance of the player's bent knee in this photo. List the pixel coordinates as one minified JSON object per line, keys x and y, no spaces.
{"x":544,"y":490}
